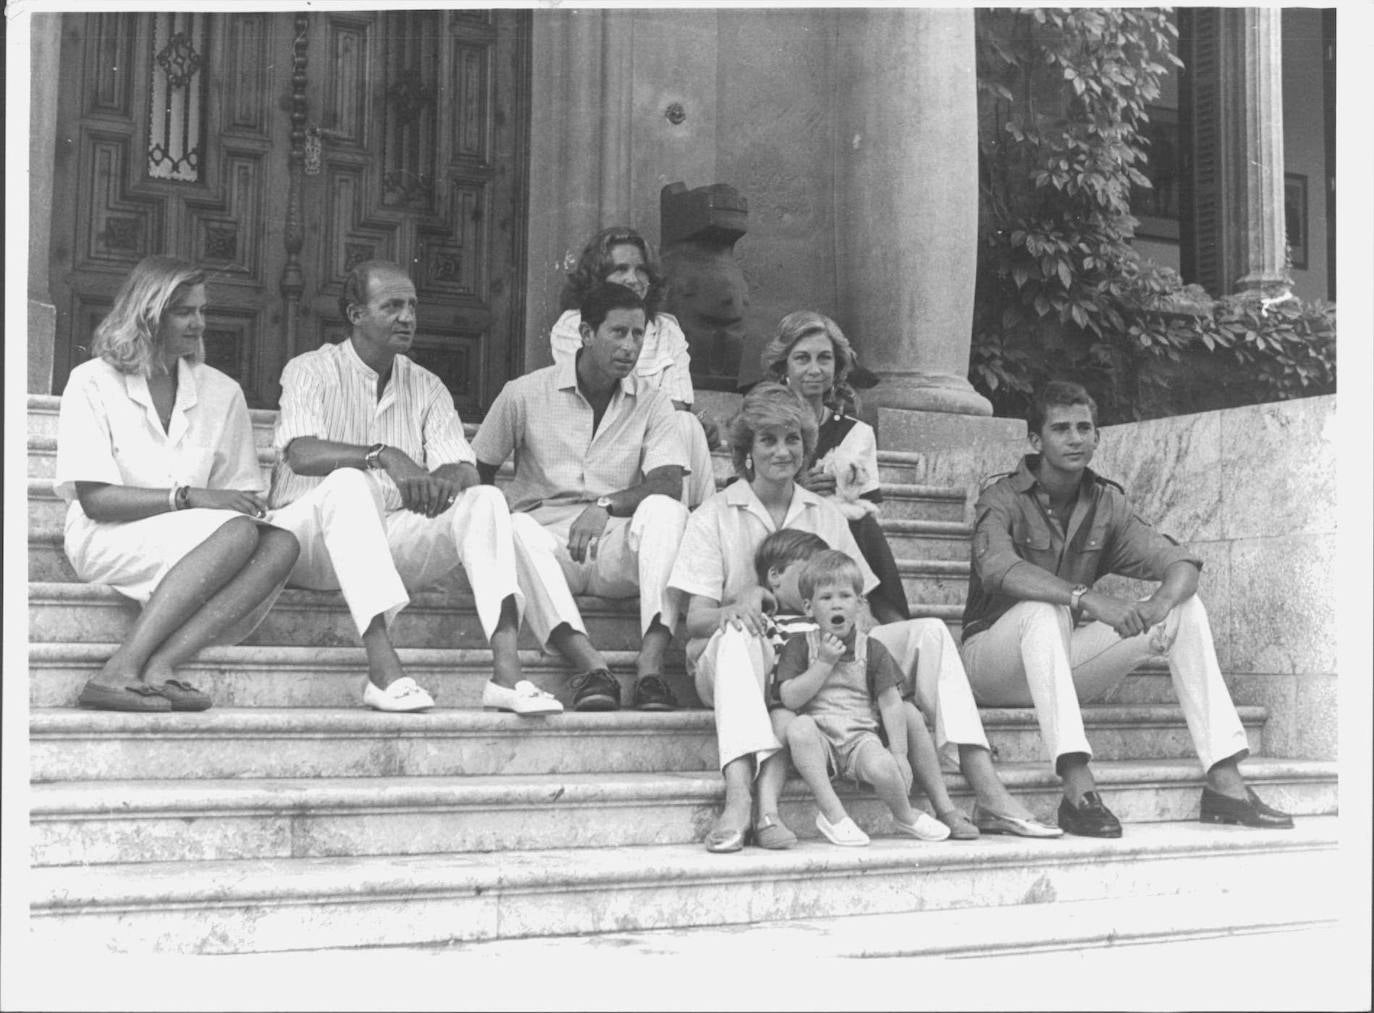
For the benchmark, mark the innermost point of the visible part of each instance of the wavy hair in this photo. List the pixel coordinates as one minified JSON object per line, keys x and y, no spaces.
{"x":594,"y":264}
{"x":804,"y":323}
{"x":128,"y":336}
{"x":770,"y":405}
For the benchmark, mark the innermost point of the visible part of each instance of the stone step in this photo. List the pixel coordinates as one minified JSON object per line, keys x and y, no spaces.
{"x":73,"y":612}
{"x":320,"y":729}
{"x":93,"y":822}
{"x":229,"y":906}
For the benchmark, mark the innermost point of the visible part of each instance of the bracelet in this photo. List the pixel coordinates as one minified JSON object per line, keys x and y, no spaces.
{"x":172,"y":498}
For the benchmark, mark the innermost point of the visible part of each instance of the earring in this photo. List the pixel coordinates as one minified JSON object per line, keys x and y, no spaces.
{"x":748,"y":462}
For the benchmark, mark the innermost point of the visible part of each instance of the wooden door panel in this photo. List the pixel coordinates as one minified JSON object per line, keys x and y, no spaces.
{"x":409,"y":171}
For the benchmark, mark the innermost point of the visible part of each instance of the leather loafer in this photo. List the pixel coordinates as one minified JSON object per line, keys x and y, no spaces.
{"x":1090,"y":818}
{"x":1248,"y":811}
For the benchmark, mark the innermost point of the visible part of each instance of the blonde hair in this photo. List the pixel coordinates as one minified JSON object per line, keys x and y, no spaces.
{"x":804,"y":323}
{"x":830,"y":568}
{"x":128,"y":336}
{"x":767,"y":405}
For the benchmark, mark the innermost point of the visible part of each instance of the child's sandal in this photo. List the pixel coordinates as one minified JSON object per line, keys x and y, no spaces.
{"x":961,"y":828}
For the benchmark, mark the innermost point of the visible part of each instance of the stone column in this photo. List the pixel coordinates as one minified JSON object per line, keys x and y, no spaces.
{"x":45,"y":40}
{"x":583,"y":63}
{"x":1253,"y":88}
{"x":906,"y":208}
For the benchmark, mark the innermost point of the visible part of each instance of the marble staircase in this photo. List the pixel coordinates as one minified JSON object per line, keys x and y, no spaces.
{"x":289,"y":817}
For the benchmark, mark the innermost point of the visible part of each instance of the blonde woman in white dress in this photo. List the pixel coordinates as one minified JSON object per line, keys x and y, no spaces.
{"x":156,"y":461}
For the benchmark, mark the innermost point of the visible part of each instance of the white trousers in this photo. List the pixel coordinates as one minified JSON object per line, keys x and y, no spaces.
{"x":929,"y":658}
{"x":633,"y":558}
{"x":731,"y":671}
{"x":1030,"y":656}
{"x":375,"y":558}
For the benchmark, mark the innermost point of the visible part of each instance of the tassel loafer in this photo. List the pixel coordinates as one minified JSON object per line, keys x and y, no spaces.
{"x":1248,"y":811}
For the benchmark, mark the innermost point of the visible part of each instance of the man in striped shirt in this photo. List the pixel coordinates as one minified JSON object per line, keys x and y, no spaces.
{"x":377,"y":482}
{"x":598,"y":477}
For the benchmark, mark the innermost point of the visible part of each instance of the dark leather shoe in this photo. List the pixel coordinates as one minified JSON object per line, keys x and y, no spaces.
{"x":652,"y":693}
{"x":1248,"y":811}
{"x":596,"y":690}
{"x":1090,"y":818}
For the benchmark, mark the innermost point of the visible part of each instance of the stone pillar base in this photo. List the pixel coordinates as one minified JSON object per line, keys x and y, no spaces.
{"x":958,"y":450}
{"x":927,"y":392}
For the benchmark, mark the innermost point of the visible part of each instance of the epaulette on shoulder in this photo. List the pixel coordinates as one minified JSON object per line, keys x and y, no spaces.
{"x":992,"y":480}
{"x":1104,"y":480}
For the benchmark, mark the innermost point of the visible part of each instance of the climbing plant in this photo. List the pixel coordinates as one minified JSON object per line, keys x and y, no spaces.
{"x":1063,"y":103}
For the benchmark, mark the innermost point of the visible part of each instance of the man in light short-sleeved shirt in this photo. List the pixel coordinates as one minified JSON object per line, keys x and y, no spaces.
{"x":378,"y":484}
{"x":1036,"y":632}
{"x":598,"y":477}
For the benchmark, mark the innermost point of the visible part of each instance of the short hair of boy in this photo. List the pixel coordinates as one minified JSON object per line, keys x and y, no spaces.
{"x":783,"y":548}
{"x":601,"y":299}
{"x":1057,"y":393}
{"x":828,"y":568}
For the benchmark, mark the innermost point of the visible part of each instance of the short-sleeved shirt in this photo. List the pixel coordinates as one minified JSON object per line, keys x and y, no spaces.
{"x":715,"y":558}
{"x":331,"y":394}
{"x":864,"y":670}
{"x":1013,"y":525}
{"x":108,"y":431}
{"x":664,"y":361}
{"x":544,"y":420}
{"x":847,"y":436}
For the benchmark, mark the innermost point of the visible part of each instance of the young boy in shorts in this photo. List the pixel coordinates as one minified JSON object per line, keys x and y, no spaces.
{"x":831,"y":677}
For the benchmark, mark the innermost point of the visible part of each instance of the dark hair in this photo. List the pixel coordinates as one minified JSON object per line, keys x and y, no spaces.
{"x":355,"y":284}
{"x":783,"y":548}
{"x":594,"y":263}
{"x":770,"y":404}
{"x":830,"y":567}
{"x":600,"y":300}
{"x":1057,"y":393}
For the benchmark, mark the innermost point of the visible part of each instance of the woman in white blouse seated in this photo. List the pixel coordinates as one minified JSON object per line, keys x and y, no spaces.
{"x":811,"y":355}
{"x":155,"y":458}
{"x":621,"y":255}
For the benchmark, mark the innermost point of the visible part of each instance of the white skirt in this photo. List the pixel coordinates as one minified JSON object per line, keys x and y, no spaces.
{"x":134,"y":556}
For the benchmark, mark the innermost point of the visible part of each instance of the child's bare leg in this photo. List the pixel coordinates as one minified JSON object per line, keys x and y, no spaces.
{"x":809,"y":755}
{"x":925,"y":760}
{"x":876,"y":766}
{"x":773,"y":774}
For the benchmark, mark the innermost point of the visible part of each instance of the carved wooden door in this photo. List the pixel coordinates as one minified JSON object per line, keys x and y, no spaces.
{"x":415,"y":153}
{"x":278,"y":150}
{"x":170,"y":140}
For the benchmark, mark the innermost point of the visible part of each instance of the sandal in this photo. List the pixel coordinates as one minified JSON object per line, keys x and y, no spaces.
{"x":184,"y":696}
{"x":132,"y":696}
{"x":961,"y":828}
{"x":771,"y":833}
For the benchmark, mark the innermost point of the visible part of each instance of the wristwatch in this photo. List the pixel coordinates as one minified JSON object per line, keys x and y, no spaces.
{"x":1076,"y":596}
{"x":373,"y":457}
{"x":604,"y":502}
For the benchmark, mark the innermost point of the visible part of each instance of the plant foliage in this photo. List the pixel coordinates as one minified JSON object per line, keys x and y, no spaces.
{"x":1063,"y":98}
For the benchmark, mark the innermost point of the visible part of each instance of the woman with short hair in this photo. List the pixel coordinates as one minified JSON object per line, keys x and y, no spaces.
{"x":155,"y":458}
{"x":621,"y":255}
{"x":810,"y":354}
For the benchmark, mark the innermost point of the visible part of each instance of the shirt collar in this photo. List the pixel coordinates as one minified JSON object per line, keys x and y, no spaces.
{"x":565,"y":378}
{"x":136,"y":386}
{"x":741,"y":494}
{"x":1024,"y":480}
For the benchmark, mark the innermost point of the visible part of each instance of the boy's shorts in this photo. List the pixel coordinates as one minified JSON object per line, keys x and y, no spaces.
{"x":844,"y":744}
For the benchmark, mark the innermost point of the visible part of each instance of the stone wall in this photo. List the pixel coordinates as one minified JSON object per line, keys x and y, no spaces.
{"x":1253,"y":491}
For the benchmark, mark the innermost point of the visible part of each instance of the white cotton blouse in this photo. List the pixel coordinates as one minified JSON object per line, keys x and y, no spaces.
{"x":664,"y":361}
{"x":108,"y":431}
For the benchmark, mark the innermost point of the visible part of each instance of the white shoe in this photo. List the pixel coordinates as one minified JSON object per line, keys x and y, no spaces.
{"x":525,"y":699}
{"x":845,"y":833}
{"x":403,"y":695}
{"x":924,"y":828}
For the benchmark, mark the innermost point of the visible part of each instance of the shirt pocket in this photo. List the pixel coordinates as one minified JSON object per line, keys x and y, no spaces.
{"x":1034,"y":544}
